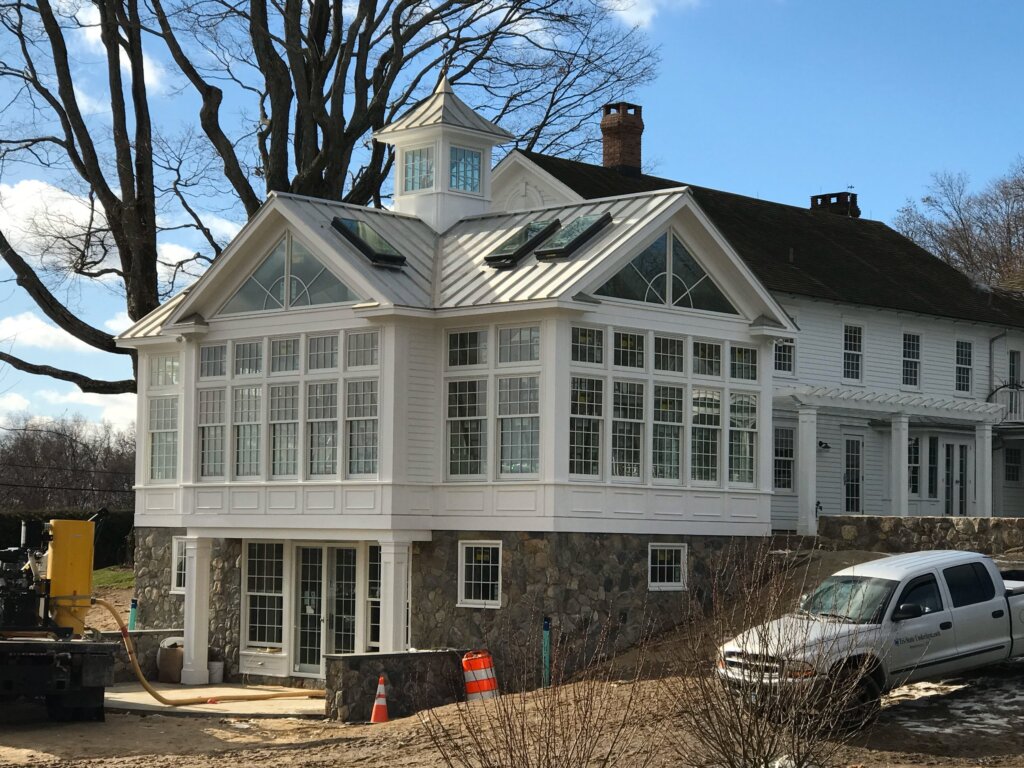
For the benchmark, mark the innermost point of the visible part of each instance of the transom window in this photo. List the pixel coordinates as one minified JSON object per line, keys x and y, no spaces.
{"x":629,"y":350}
{"x":743,"y":363}
{"x":362,"y":348}
{"x":666,"y":273}
{"x":465,"y":170}
{"x":853,"y":352}
{"x":707,"y":358}
{"x":418,"y":169}
{"x":284,"y":355}
{"x":163,"y":371}
{"x":291,"y":276}
{"x":322,"y":352}
{"x":467,"y":348}
{"x":479,"y":574}
{"x":518,"y":345}
{"x":213,"y":361}
{"x":669,"y":354}
{"x":587,"y":345}
{"x":964,"y":361}
{"x":911,"y":360}
{"x":248,"y":358}
{"x":666,"y":567}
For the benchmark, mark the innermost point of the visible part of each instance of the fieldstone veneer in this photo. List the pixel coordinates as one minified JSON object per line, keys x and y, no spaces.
{"x":988,"y":535}
{"x":159,"y":609}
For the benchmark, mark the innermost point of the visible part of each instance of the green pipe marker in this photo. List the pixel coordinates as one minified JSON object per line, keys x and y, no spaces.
{"x":546,"y":651}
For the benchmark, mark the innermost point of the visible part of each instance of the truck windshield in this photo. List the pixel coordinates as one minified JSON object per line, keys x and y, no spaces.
{"x":855,"y":599}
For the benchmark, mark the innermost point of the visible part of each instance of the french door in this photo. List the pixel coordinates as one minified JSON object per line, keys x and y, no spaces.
{"x":853,"y":474}
{"x":957,"y":478}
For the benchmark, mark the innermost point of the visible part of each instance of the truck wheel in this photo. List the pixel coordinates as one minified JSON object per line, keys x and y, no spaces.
{"x":863,"y":702}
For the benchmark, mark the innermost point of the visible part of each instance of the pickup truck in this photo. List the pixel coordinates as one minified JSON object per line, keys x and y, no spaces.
{"x":899,"y":619}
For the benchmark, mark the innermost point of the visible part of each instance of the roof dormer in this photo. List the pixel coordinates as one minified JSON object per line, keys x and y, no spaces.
{"x":443,"y":159}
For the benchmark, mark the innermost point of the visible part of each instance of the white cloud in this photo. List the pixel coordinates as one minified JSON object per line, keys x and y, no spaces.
{"x":90,"y":105}
{"x":119,"y":322}
{"x":119,"y":410}
{"x":12,"y":402}
{"x":640,"y":13}
{"x":221,"y":228}
{"x":91,"y":37}
{"x":171,"y":254}
{"x":29,"y":330}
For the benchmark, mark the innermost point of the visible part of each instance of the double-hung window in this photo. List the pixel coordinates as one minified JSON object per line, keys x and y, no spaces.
{"x":784,"y":464}
{"x":667,"y":438}
{"x":247,"y":413}
{"x":785,"y":356}
{"x":264,"y":594}
{"x":518,"y":425}
{"x":742,"y":437}
{"x":361,"y":427}
{"x":586,"y":411}
{"x":467,"y":428}
{"x":706,"y":435}
{"x":1012,"y":465}
{"x":479,"y":574}
{"x":212,"y":432}
{"x":284,"y":430}
{"x":163,"y":438}
{"x":627,"y":429}
{"x":322,"y":428}
{"x":964,"y":363}
{"x":853,"y":352}
{"x":666,"y":567}
{"x":912,"y":360}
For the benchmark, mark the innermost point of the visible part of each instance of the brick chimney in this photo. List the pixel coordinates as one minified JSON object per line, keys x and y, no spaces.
{"x":621,"y":128}
{"x":843,"y":203}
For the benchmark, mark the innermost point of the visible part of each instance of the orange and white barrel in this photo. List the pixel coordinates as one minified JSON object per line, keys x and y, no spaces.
{"x":478,"y":669}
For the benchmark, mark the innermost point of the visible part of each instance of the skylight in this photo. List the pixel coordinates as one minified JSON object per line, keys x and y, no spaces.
{"x":369,"y":242}
{"x":573,"y":236}
{"x":515,"y":248}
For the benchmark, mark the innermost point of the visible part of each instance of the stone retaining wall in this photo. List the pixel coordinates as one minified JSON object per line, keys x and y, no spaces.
{"x":146,"y":642}
{"x":414,"y":682}
{"x":988,"y":535}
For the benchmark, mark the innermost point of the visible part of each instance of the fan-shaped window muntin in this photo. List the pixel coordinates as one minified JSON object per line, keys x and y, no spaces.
{"x":289,"y":277}
{"x":666,"y":273}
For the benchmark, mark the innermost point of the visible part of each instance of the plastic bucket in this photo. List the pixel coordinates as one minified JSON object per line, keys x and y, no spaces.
{"x":216,"y":671}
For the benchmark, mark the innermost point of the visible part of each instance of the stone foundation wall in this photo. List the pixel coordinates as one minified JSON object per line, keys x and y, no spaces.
{"x":988,"y":535}
{"x":146,"y":643}
{"x":159,"y":609}
{"x":413,"y":681}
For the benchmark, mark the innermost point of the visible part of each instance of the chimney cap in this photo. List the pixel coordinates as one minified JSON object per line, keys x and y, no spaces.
{"x":622,"y":107}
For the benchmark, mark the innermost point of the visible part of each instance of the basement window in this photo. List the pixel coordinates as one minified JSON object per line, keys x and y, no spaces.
{"x":479,"y":574}
{"x":521,"y":244}
{"x":369,"y":242}
{"x":666,"y":570}
{"x":573,"y":236}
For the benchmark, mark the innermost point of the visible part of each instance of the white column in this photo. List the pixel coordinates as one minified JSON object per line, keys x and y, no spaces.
{"x":807,"y":471}
{"x":394,"y":593}
{"x":899,"y":473}
{"x":983,"y":470}
{"x":197,"y":611}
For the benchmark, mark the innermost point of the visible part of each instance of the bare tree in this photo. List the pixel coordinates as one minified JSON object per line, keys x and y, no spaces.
{"x":979,"y":233}
{"x":286,"y":96}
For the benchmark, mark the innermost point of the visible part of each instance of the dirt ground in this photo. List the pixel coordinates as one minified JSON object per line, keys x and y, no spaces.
{"x":976,"y":721}
{"x":100,"y":618}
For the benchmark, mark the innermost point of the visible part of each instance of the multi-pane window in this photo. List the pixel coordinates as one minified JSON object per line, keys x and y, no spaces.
{"x":322,"y":427}
{"x":361,"y":427}
{"x":163,"y":370}
{"x":322,"y":352}
{"x":628,"y":350}
{"x":911,"y":360}
{"x":705,"y":437}
{"x":362,"y":348}
{"x":669,"y":354}
{"x":246,"y":416}
{"x":248,"y":358}
{"x":666,"y":569}
{"x":467,"y":348}
{"x":212,"y":420}
{"x":785,"y":356}
{"x":264,"y":594}
{"x":667,"y":432}
{"x":964,"y":361}
{"x":467,"y":427}
{"x":465,"y":170}
{"x":742,"y":437}
{"x":1012,"y":465}
{"x":284,"y":430}
{"x":853,"y":464}
{"x":853,"y":352}
{"x":284,"y":355}
{"x":163,"y":438}
{"x":518,"y":425}
{"x":784,"y":460}
{"x":707,"y":358}
{"x":743,"y":363}
{"x":213,"y":361}
{"x":179,"y":567}
{"x":933,"y":467}
{"x":587,"y":345}
{"x":418,"y":169}
{"x":914,"y":465}
{"x":518,"y":345}
{"x":586,"y":409}
{"x":627,"y":429}
{"x":373,"y":584}
{"x":480,"y":574}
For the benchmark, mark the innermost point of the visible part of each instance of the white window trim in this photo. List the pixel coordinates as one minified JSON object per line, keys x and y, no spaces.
{"x":969,"y":392}
{"x":177,"y":545}
{"x":300,"y":353}
{"x":498,"y":417}
{"x":151,"y":382}
{"x":603,"y":330}
{"x":462,"y":602}
{"x":484,"y":160}
{"x":723,"y":359}
{"x":791,"y":491}
{"x":1020,"y":476}
{"x":920,"y":358}
{"x":757,"y":364}
{"x":519,"y":363}
{"x":684,"y":572}
{"x":489,"y":351}
{"x":400,"y":185}
{"x":842,"y":349}
{"x":647,"y":353}
{"x":791,"y":340}
{"x":232,"y":371}
{"x":227,"y":361}
{"x":286,"y":587}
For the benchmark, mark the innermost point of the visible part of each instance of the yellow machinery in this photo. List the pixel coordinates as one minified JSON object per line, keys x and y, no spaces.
{"x":69,"y":570}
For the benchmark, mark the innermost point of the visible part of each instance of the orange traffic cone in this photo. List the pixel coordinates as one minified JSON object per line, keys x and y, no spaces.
{"x":380,"y":704}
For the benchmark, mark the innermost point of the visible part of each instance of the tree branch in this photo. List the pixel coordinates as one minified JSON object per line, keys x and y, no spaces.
{"x":84,"y":383}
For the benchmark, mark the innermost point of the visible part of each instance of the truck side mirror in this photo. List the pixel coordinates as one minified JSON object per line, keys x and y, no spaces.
{"x":907,"y":611}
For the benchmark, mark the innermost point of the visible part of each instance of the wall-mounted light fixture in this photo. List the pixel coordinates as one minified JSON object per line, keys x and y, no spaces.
{"x":822,"y":445}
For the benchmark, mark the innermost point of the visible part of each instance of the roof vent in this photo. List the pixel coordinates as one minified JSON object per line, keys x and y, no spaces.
{"x":622,"y":125}
{"x":843,"y":203}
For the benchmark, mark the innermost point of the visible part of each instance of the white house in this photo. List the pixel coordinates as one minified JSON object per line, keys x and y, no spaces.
{"x":552,"y":387}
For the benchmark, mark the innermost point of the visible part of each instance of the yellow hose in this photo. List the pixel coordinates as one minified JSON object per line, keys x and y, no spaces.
{"x":130,"y":648}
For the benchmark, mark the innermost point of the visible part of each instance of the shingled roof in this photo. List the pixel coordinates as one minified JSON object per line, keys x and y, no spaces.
{"x":816,"y":253}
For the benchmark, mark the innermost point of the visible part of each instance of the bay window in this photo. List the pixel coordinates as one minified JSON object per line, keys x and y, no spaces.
{"x":467,"y":427}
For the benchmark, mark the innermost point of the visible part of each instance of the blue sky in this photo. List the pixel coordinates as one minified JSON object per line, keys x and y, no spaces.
{"x":768,"y":98}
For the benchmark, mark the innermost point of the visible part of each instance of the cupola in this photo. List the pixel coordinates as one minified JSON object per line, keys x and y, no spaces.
{"x":443,"y":159}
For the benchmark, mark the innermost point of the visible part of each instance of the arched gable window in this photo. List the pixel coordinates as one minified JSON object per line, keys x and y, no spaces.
{"x":289,"y":277}
{"x":665,"y":272}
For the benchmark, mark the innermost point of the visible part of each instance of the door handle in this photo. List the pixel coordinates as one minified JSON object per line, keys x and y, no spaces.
{"x":997,"y":614}
{"x":946,"y":625}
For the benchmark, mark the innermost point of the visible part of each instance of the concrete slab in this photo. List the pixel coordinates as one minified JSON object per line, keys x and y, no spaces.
{"x":133,"y":698}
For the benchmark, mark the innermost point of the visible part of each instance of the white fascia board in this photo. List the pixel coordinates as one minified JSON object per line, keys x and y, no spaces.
{"x":165,"y":337}
{"x":514,"y":158}
{"x":311,"y":534}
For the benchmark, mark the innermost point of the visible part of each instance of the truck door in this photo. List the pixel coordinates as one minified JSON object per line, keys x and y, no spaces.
{"x":925,"y":645}
{"x":980,"y":620}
